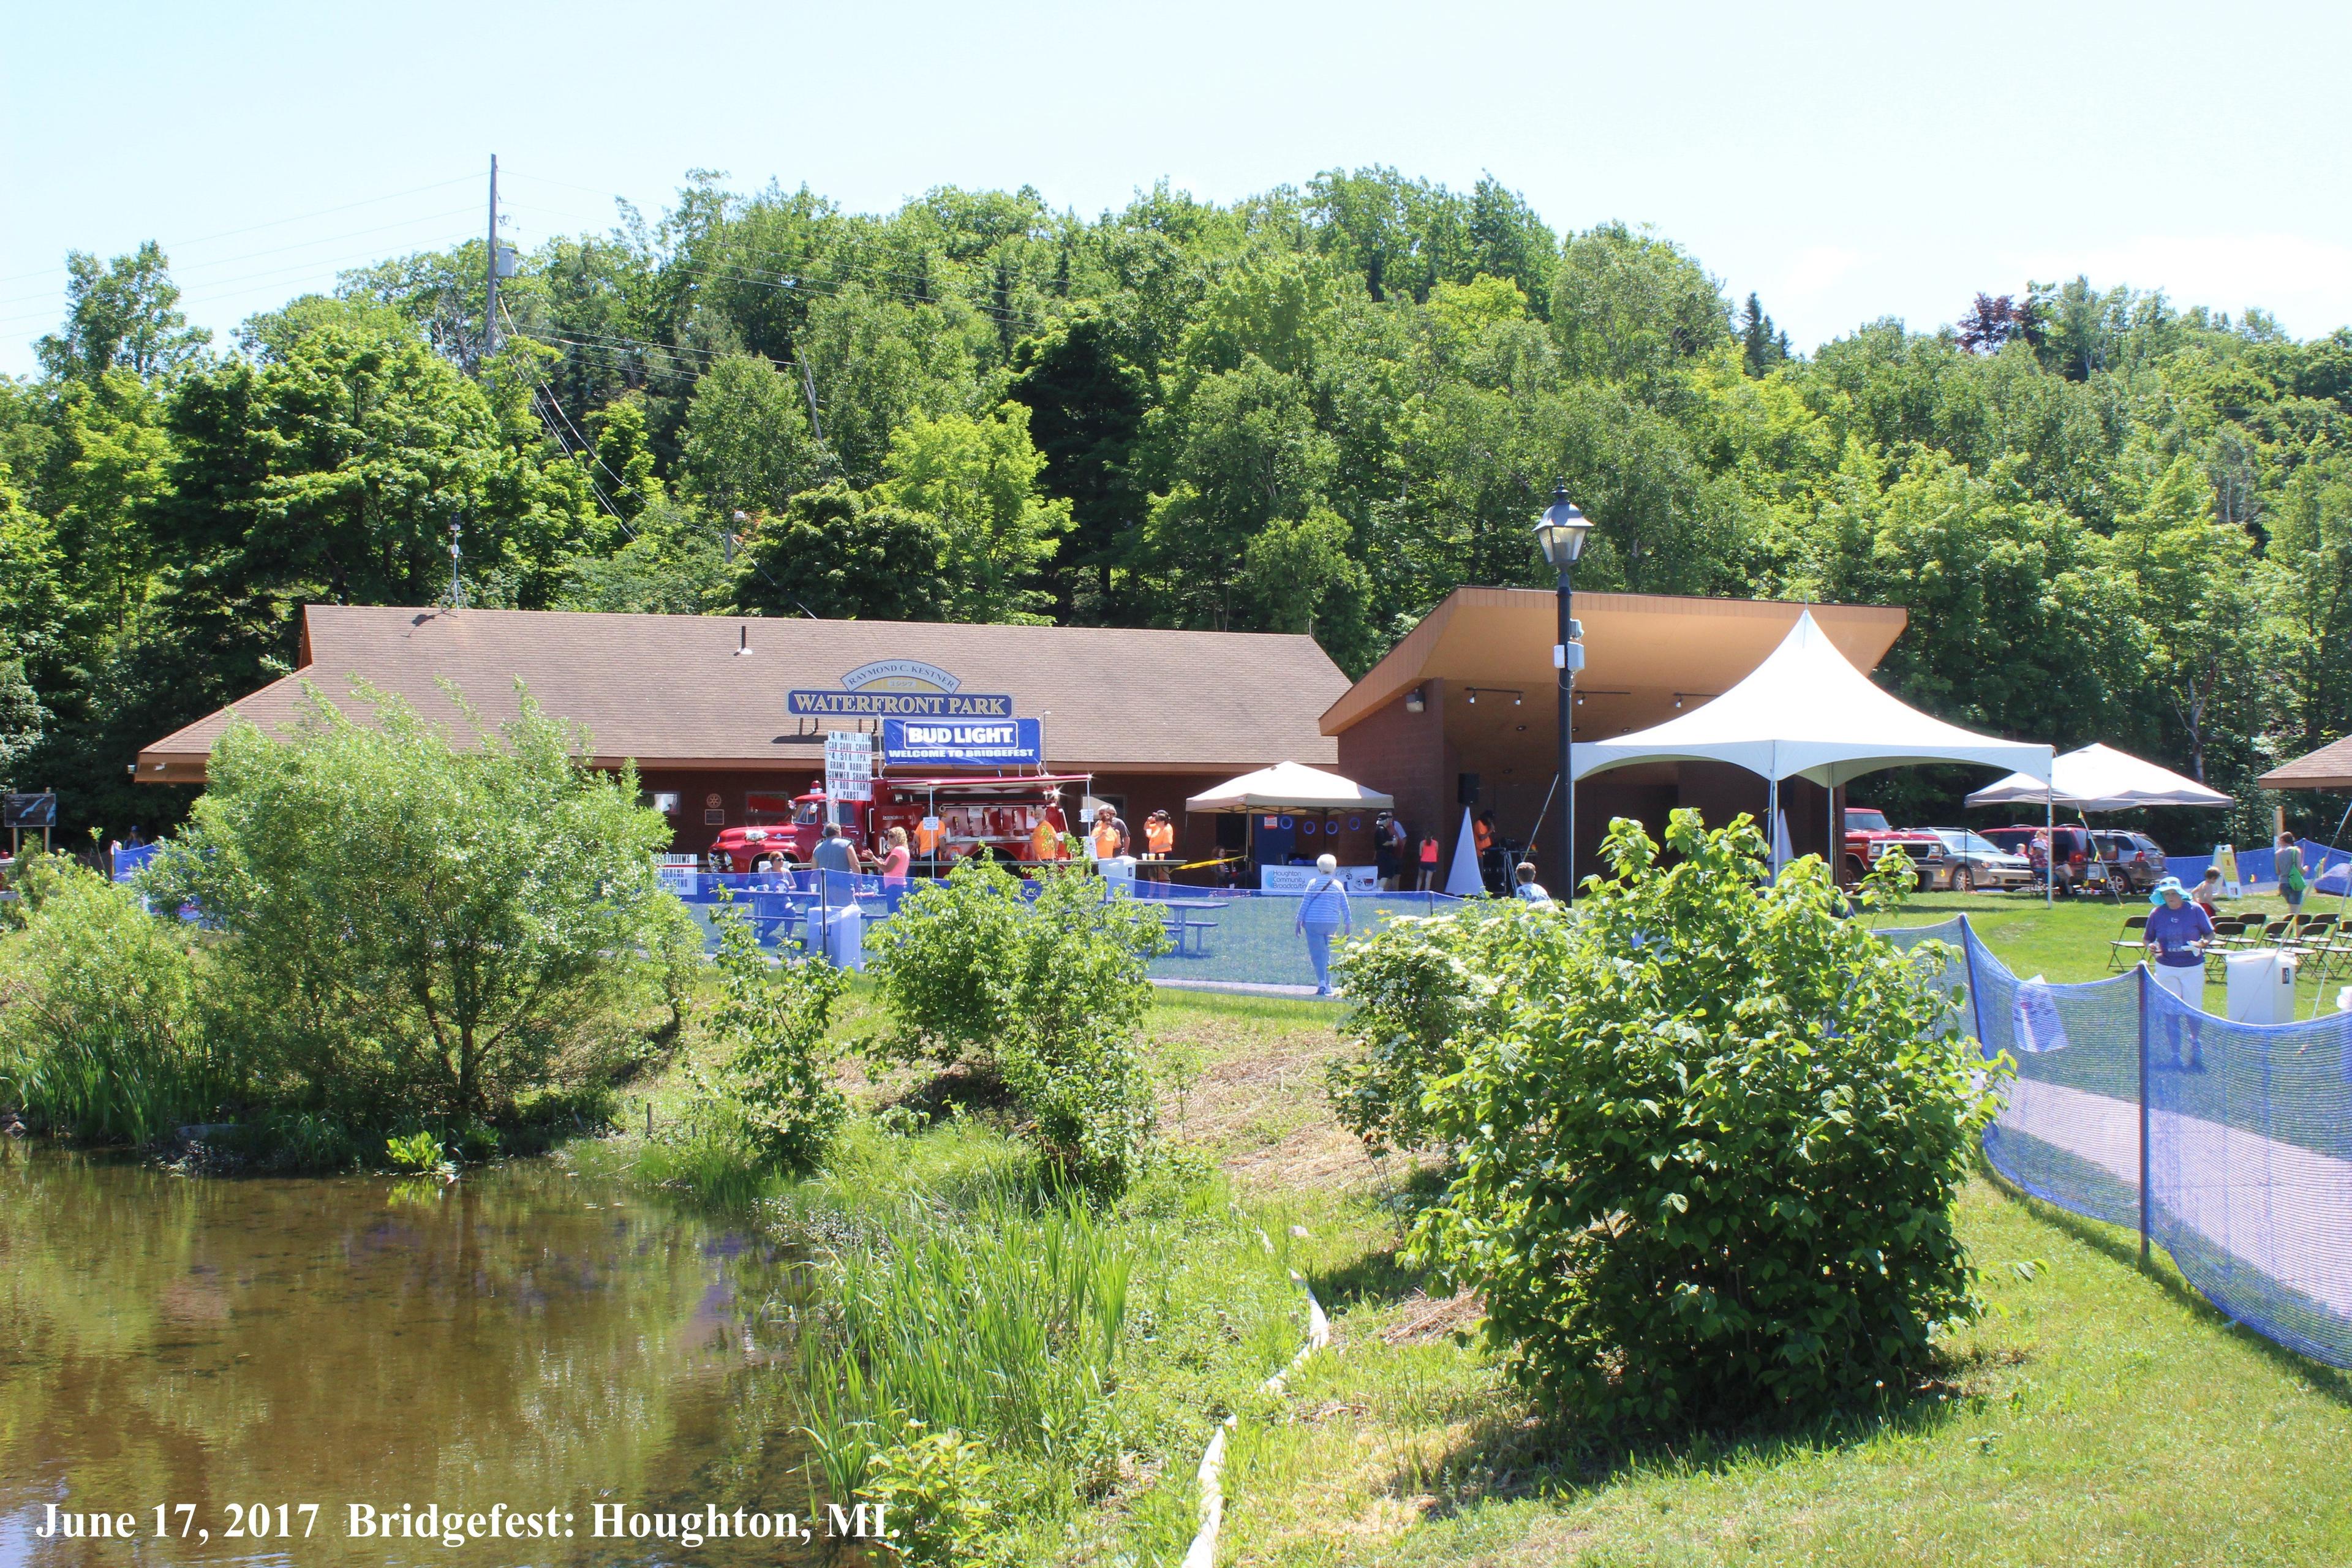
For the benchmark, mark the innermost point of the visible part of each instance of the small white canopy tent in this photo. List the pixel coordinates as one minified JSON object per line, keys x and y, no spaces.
{"x":1290,"y":786}
{"x":2100,"y":778}
{"x":1807,"y":713}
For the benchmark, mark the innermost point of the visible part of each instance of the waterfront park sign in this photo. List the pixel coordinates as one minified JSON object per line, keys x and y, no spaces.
{"x":899,"y":688}
{"x":926,"y":717}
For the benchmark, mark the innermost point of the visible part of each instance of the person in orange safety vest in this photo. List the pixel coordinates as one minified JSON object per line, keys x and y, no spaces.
{"x":1159,"y":843}
{"x":1109,"y":839}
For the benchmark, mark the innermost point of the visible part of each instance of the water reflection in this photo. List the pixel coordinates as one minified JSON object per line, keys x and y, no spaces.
{"x":521,"y":1338}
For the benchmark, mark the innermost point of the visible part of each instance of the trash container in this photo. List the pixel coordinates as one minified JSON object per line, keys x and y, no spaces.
{"x":2261,"y":986}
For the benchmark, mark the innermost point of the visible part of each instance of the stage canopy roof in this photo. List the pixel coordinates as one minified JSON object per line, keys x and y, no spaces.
{"x":1289,"y":786}
{"x":1806,"y":713}
{"x":2100,"y":778}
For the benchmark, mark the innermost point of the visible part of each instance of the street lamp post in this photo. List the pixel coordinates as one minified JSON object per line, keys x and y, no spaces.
{"x":1559,"y":534}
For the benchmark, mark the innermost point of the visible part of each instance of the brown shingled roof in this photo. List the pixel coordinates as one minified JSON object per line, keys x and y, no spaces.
{"x":2330,"y":767}
{"x":673,"y":690}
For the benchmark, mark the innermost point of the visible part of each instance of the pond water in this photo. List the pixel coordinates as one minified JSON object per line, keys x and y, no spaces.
{"x":522,"y":1338}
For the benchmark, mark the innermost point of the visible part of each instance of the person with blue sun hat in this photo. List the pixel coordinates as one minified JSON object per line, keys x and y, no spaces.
{"x":2178,"y":930}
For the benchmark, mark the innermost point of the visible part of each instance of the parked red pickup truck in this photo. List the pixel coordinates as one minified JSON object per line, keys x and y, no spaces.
{"x":1869,"y":836}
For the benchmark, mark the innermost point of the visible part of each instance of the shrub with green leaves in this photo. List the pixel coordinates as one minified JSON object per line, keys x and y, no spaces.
{"x":934,"y":1487}
{"x":423,"y":926}
{"x":1708,"y":1155}
{"x":1416,"y":988}
{"x":100,"y":1032}
{"x":771,"y":1021}
{"x":418,"y":1153}
{"x":1047,"y":988}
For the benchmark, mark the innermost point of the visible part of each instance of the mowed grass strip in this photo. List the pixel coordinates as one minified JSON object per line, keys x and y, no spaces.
{"x":2096,"y":1414}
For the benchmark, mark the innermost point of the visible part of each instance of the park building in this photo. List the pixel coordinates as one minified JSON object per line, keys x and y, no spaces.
{"x":726,"y":717}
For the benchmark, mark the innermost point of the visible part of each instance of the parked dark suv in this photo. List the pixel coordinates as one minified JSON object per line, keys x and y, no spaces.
{"x":2070,"y":850}
{"x":2134,"y":859}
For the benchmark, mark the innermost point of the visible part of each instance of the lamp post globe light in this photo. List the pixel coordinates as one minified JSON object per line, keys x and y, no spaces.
{"x":1560,"y":533}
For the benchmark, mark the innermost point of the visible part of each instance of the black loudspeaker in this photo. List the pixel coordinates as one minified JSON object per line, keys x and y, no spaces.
{"x":1465,"y":789}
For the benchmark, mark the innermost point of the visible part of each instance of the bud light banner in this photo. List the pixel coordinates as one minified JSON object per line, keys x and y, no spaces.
{"x":964,"y":743}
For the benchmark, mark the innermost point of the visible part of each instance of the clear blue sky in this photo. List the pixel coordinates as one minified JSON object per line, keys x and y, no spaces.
{"x":1846,"y":162}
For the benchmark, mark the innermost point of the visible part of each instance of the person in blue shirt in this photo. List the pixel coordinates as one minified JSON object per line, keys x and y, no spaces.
{"x":2176,"y":933}
{"x":1322,"y":912}
{"x":1527,"y":887}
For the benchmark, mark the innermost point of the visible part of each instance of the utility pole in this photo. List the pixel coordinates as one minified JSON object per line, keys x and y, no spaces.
{"x":491,"y":266}
{"x":456,"y":583}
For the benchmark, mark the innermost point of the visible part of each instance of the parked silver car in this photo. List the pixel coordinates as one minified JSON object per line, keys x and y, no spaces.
{"x":1972,"y":861}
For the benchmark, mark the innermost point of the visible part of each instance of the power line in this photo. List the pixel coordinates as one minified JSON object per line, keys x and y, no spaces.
{"x":179,"y":270}
{"x":869,"y":267}
{"x":598,"y":458}
{"x":860,"y":273}
{"x":222,"y":288}
{"x":273,"y":223}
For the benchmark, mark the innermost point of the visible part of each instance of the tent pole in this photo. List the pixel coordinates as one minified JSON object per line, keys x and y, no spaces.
{"x":1542,"y":813}
{"x":2050,"y":838}
{"x":1772,"y":825}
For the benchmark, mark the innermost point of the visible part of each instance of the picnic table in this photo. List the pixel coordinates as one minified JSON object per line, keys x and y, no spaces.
{"x":1187,"y":921}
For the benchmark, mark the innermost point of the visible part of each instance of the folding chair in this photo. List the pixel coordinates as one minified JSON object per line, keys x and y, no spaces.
{"x":2229,"y":931}
{"x":2324,"y":937}
{"x":2132,"y":942}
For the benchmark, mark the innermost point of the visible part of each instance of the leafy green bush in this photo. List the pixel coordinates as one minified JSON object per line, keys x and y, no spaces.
{"x":1416,"y":988}
{"x":934,"y":1487}
{"x":418,"y":1152}
{"x":421,"y":929}
{"x":1709,"y":1153}
{"x":101,"y":1034}
{"x":1049,"y":992}
{"x":772,"y":1020}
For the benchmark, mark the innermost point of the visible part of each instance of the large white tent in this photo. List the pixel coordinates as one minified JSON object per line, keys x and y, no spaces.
{"x":1806,"y":713}
{"x":2100,"y":778}
{"x":1290,"y":786}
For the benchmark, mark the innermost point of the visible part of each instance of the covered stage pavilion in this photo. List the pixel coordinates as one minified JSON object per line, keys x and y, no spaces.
{"x":1462,"y":711}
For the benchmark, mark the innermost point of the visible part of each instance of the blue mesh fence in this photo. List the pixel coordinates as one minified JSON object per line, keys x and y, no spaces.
{"x":1245,"y":938}
{"x":2327,"y":869}
{"x":2248,"y":1156}
{"x":1217,"y":936}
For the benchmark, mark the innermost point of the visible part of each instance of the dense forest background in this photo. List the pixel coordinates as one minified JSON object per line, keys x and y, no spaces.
{"x":1316,"y":410}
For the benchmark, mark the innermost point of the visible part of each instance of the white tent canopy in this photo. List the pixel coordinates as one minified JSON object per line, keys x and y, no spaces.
{"x":1290,"y":786}
{"x":2100,"y":778}
{"x":1807,"y":713}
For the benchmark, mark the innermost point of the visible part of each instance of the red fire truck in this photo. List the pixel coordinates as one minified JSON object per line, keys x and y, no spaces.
{"x":999,"y":813}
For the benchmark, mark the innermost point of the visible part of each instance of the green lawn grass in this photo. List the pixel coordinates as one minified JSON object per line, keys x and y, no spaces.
{"x":2068,"y":940}
{"x":2097,"y":1414}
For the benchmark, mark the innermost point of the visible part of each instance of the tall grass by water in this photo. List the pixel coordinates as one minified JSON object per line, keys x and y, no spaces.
{"x":1088,"y":1348}
{"x":1005,"y":1321}
{"x":112,"y":1085}
{"x":101,"y":1036}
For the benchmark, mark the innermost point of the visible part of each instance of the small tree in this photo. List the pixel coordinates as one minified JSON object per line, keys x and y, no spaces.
{"x":419,"y":927}
{"x":772,"y":1020}
{"x":1047,"y":991}
{"x":1707,"y":1156}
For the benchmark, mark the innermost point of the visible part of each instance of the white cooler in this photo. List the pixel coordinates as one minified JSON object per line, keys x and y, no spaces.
{"x":2261,"y":986}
